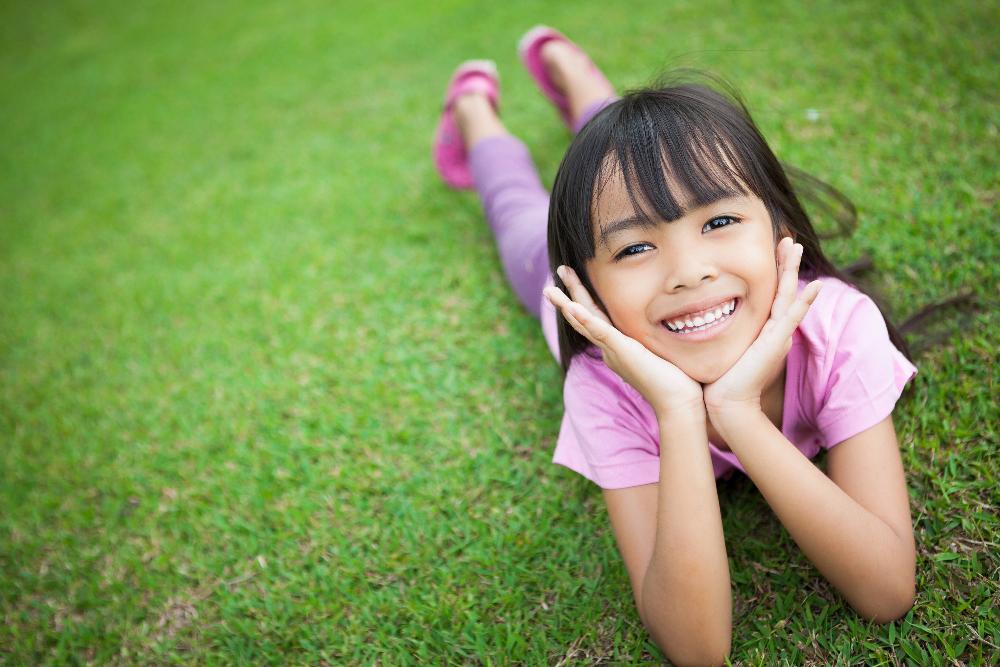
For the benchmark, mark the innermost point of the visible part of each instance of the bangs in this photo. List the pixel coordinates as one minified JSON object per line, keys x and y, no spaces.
{"x":677,"y":147}
{"x":678,"y":152}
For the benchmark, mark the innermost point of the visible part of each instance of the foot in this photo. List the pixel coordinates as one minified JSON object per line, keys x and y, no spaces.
{"x":477,"y":118}
{"x":572,"y":72}
{"x":476,"y":80}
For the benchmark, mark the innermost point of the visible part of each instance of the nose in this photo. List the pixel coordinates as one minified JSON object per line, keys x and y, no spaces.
{"x":688,"y":265}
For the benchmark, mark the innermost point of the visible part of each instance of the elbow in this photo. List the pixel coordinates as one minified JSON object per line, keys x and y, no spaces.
{"x":891,"y":605}
{"x":701,"y":655}
{"x":691,"y":628}
{"x":702,"y":649}
{"x":710,"y":655}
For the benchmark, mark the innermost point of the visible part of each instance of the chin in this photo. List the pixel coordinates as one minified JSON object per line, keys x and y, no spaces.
{"x":707,"y":371}
{"x":705,"y":376}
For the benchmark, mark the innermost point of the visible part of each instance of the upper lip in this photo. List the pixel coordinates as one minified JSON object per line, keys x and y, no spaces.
{"x":698,"y":306}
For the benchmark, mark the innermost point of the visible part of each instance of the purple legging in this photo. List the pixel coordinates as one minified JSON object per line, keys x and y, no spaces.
{"x":517,"y":209}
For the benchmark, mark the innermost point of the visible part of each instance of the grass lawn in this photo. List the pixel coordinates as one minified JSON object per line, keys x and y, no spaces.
{"x":266,"y":398}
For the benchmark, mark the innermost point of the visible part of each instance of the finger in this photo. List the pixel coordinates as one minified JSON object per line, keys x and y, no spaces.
{"x":570,"y":314}
{"x":788,"y":279}
{"x":556,"y":296}
{"x":564,"y":304}
{"x":780,"y":253}
{"x":578,"y":316}
{"x":797,"y":311}
{"x":558,"y":299}
{"x":597,"y":329}
{"x":577,"y":291}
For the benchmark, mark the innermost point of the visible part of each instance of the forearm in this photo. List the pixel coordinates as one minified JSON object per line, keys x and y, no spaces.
{"x":858,"y":552}
{"x":686,"y":601}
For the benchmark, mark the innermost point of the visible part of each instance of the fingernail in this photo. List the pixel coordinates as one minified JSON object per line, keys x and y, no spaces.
{"x":560,"y":270}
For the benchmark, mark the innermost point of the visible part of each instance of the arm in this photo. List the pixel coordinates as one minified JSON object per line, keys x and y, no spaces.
{"x":669,"y":534}
{"x":670,"y":537}
{"x":854,"y":525}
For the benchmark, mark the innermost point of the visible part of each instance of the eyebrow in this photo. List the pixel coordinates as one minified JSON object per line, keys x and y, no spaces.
{"x":634,"y":221}
{"x":623,"y":225}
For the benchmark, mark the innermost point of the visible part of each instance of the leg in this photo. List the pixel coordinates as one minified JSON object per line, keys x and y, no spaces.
{"x":517,"y":209}
{"x":571,"y":71}
{"x":514,"y":200}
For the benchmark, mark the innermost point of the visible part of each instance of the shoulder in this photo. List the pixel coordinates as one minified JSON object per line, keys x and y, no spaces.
{"x":850,"y":373}
{"x":609,"y":433}
{"x":845,"y":326}
{"x":591,"y":384}
{"x":838,"y":308}
{"x":588,"y":373}
{"x":842,"y":322}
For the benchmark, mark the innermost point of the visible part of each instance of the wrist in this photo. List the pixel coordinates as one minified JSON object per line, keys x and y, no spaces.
{"x":692,"y":409}
{"x":731,"y":415}
{"x":733,"y":407}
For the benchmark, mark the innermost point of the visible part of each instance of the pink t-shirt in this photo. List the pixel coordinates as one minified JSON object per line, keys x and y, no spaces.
{"x":844,"y":376}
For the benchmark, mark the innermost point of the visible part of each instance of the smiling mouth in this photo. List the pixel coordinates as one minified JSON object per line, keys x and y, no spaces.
{"x":704,"y":320}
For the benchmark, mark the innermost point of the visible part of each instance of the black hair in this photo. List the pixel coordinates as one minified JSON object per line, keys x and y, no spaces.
{"x":701,"y":138}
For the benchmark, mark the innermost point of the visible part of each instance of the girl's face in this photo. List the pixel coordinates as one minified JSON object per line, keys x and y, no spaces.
{"x":695,"y":291}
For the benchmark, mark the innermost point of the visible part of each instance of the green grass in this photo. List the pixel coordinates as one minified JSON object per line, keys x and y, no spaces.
{"x":266,"y":398}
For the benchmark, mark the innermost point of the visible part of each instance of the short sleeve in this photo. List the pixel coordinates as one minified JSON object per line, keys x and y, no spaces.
{"x":605,"y":434}
{"x":866,"y":374}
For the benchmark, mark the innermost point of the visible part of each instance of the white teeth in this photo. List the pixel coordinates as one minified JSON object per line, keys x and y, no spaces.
{"x":702,"y":322}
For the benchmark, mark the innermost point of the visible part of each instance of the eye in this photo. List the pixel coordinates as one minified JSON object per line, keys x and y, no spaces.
{"x":719,"y":222}
{"x":636,"y":249}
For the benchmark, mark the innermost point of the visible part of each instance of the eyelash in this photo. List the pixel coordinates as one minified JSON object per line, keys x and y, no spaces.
{"x":708,"y":226}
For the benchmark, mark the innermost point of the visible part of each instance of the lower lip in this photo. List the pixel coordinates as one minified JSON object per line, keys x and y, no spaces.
{"x":711,"y":332}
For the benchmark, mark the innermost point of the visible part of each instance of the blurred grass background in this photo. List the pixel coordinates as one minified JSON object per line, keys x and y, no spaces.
{"x":266,"y":398}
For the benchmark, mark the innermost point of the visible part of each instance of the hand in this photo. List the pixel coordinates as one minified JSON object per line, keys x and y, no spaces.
{"x":664,"y":386}
{"x":741,"y":386}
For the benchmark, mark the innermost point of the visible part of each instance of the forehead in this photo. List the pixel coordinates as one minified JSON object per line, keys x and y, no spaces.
{"x":665,"y":189}
{"x":617,"y":195}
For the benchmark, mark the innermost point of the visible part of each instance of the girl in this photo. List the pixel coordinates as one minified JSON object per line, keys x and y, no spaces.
{"x":690,"y":344}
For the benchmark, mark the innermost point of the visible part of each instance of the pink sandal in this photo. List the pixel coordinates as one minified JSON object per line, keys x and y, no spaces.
{"x":530,"y":48}
{"x":450,"y":157}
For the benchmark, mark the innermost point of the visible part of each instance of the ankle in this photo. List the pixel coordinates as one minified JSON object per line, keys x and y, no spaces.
{"x":472,"y":105}
{"x":560,"y":60}
{"x":476,"y":118}
{"x":573,"y":73}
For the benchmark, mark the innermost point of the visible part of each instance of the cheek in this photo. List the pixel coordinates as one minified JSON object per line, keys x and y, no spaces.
{"x":625,"y":306}
{"x":767,"y":282}
{"x":626,"y":314}
{"x":761,"y":290}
